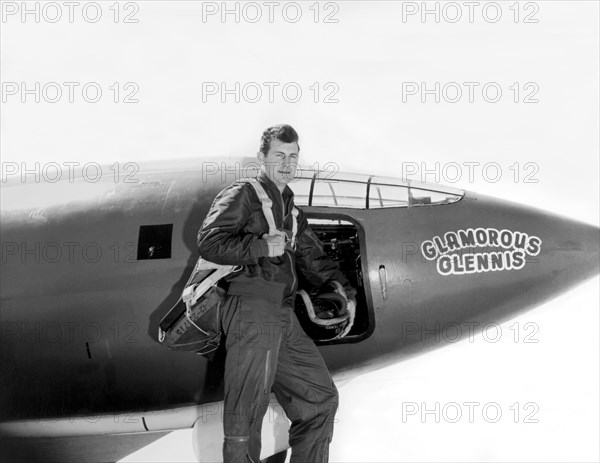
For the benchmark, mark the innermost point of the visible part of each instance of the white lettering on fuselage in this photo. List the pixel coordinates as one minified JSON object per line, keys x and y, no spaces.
{"x":456,"y":251}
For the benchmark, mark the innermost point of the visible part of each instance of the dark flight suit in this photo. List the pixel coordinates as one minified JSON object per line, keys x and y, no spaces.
{"x":266,"y":346}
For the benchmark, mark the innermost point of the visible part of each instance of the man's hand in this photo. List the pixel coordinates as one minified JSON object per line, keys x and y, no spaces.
{"x":276,"y":243}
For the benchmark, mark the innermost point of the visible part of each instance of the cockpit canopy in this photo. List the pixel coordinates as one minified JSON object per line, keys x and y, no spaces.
{"x":358,"y":191}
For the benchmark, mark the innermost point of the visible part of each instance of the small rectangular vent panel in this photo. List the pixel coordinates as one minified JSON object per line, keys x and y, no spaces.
{"x":154,"y":242}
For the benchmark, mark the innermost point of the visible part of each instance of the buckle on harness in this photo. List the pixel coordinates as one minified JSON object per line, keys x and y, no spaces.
{"x":290,"y":241}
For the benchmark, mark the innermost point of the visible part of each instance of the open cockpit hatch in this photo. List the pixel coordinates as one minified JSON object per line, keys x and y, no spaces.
{"x":342,"y":242}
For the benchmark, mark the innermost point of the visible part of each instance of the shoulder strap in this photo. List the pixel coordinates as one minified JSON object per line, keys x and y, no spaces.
{"x":266,"y":202}
{"x":267,"y":206}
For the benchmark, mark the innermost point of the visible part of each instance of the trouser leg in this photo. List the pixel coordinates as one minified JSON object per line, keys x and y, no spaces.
{"x":253,"y":334}
{"x":305,"y":390}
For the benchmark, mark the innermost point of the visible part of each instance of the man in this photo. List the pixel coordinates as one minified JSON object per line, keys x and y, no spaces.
{"x":266,"y":347}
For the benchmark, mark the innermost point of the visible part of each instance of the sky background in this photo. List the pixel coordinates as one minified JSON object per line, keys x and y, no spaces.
{"x":370,"y":68}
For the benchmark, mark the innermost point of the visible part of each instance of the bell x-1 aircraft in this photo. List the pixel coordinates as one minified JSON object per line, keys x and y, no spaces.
{"x":89,"y":269}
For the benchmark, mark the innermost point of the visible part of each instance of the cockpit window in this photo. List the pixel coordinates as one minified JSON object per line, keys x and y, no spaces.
{"x":386,"y":195}
{"x":422,"y":197}
{"x":339,"y":193}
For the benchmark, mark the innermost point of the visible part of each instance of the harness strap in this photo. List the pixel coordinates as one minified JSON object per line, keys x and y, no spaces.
{"x":294,"y":226}
{"x":267,"y":207}
{"x":267,"y":204}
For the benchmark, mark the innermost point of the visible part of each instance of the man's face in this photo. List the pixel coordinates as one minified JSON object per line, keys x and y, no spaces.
{"x":280,"y":162}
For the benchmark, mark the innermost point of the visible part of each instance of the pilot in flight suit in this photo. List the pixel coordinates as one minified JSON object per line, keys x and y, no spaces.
{"x":265,"y":344}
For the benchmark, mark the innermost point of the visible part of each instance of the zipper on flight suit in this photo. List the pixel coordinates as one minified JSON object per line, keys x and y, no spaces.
{"x":267,"y":365}
{"x":292,"y":266}
{"x":293,"y":271}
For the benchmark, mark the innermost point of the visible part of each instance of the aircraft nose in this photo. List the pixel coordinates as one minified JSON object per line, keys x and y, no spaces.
{"x":569,"y":250}
{"x":573,"y":248}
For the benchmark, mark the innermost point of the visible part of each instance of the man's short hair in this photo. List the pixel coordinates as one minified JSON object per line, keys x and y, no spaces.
{"x":285,"y":133}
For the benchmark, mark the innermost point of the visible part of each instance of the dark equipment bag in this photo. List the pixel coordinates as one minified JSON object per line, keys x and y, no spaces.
{"x":193,"y":324}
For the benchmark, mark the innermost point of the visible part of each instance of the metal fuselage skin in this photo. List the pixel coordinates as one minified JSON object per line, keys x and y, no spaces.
{"x":80,"y":312}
